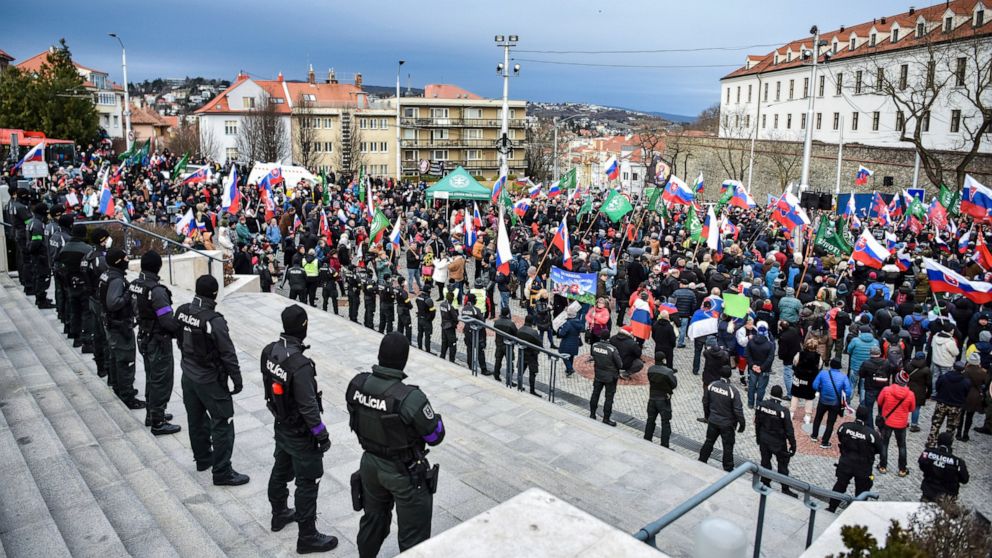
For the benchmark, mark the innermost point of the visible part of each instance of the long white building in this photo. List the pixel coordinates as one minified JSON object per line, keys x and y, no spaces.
{"x":921,"y":69}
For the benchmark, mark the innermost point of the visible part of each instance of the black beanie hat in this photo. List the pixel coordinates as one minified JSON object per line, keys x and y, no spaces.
{"x":206,"y":286}
{"x":945,"y":439}
{"x":294,"y":321}
{"x":66,"y":221}
{"x":78,"y":231}
{"x":40,"y":209}
{"x":151,"y":262}
{"x":99,"y":235}
{"x":835,"y":363}
{"x":394,"y":351}
{"x":117,"y":258}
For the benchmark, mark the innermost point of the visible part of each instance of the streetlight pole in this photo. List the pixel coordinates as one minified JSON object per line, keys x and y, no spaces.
{"x":399,"y":169}
{"x":127,"y":96}
{"x":556,"y":122}
{"x":808,"y":141}
{"x":504,"y":70}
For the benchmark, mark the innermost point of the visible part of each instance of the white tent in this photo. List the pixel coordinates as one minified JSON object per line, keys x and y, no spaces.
{"x":291,"y":174}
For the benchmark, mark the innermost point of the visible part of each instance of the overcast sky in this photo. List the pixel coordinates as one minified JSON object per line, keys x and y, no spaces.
{"x":443,"y":41}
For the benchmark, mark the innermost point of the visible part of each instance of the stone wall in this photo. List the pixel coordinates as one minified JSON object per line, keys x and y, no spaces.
{"x":704,"y":155}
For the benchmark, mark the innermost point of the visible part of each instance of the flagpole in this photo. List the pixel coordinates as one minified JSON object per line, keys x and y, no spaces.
{"x":809,"y":250}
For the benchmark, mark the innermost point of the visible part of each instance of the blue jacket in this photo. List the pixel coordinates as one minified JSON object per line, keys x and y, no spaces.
{"x":823,"y":385}
{"x":273,"y":235}
{"x":876,"y":286}
{"x":569,"y":333}
{"x":860,"y":349}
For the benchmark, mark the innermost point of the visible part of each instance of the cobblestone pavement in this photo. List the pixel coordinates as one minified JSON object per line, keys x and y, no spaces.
{"x":810,"y":463}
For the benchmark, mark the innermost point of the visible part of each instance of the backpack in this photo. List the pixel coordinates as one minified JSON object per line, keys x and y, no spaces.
{"x":915,"y":329}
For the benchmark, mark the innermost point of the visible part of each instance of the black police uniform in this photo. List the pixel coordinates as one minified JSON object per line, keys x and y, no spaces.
{"x":55,"y":240}
{"x":297,"y":278}
{"x":208,"y":360}
{"x":529,"y":361}
{"x":264,"y":276}
{"x":449,"y":327}
{"x":118,"y":319}
{"x":290,"y":382}
{"x":393,"y":422}
{"x":387,"y":310}
{"x":328,"y":279}
{"x":606,"y":367}
{"x":943,"y":473}
{"x":507,"y":326}
{"x":38,"y":252}
{"x":19,"y":217}
{"x":157,"y":327}
{"x":93,"y":266}
{"x":662,"y":384}
{"x":353,"y":289}
{"x":859,"y":443}
{"x":404,"y":323}
{"x":475,"y":352}
{"x":723,"y":410}
{"x":425,"y":319}
{"x":775,"y":436}
{"x":69,"y":260}
{"x":369,"y":287}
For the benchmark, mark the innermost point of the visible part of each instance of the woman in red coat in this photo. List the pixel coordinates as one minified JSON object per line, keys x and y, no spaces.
{"x":895,"y":403}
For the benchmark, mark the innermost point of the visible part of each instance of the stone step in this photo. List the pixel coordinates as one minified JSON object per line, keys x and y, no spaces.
{"x":29,"y":399}
{"x":231,"y":523}
{"x":26,"y":526}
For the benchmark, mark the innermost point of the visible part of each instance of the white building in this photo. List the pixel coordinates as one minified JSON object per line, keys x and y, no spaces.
{"x":874,"y":80}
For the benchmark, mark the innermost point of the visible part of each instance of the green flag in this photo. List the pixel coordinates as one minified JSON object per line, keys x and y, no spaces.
{"x":693,"y":226}
{"x":504,"y":198}
{"x":736,"y":305}
{"x":652,"y":195}
{"x":129,"y":153}
{"x":724,"y":200}
{"x":327,"y":189}
{"x":917,"y":209}
{"x":180,"y":167}
{"x":361,"y":186}
{"x":568,"y":181}
{"x":139,"y":155}
{"x":586,"y":207}
{"x":379,"y":223}
{"x":950,"y":199}
{"x":830,"y":240}
{"x":615,"y":206}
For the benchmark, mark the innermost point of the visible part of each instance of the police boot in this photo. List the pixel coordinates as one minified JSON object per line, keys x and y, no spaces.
{"x":87,"y":348}
{"x":606,"y":420}
{"x":282,"y":516}
{"x":165,"y":428}
{"x":310,"y":540}
{"x":166,"y":417}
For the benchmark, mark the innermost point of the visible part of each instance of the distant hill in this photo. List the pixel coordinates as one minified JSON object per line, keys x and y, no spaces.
{"x":390,"y":90}
{"x":675,"y":117}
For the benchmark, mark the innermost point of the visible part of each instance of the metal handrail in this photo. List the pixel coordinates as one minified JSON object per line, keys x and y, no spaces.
{"x":650,"y":531}
{"x":210,"y":259}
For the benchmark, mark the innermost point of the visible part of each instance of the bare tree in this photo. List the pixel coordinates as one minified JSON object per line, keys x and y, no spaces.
{"x":305,"y":133}
{"x":208,"y":145}
{"x":733,"y":151}
{"x":539,"y":150}
{"x":708,"y":120}
{"x":262,"y":134}
{"x":650,"y":138}
{"x":678,"y":143}
{"x":785,"y":153}
{"x":185,"y":138}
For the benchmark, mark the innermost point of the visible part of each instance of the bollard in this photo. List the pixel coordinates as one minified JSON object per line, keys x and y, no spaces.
{"x":719,"y":538}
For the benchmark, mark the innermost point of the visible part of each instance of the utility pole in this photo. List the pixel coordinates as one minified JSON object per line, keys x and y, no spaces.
{"x":503,"y":143}
{"x":554,"y":173}
{"x":916,"y":170}
{"x":808,"y":142}
{"x":128,"y":136}
{"x":399,"y":168}
{"x":840,"y":156}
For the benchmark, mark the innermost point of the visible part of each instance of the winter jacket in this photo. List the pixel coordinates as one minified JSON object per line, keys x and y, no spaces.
{"x":896,"y":402}
{"x":789,"y":344}
{"x":663,"y":334}
{"x":978,"y":378}
{"x":876,"y":373}
{"x":805,"y":371}
{"x":920,"y":380}
{"x":789,"y":308}
{"x":760,"y":352}
{"x":826,"y":388}
{"x":714,"y":358}
{"x":860,"y":349}
{"x":627,"y":347}
{"x":570,"y":332}
{"x":606,"y":361}
{"x":952,"y":389}
{"x":662,"y":382}
{"x":944,"y":349}
{"x":685,"y":301}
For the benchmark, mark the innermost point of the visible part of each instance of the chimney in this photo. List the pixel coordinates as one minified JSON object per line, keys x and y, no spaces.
{"x":279,"y":77}
{"x":358,"y":80}
{"x":330,"y":76}
{"x":912,"y":10}
{"x":311,"y":79}
{"x":883,"y":21}
{"x":241,"y":75}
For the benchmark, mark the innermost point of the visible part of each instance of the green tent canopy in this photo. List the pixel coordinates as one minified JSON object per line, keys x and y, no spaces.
{"x":459,"y":185}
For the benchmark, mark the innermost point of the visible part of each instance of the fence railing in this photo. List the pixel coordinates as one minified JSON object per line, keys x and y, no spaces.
{"x":812,"y":496}
{"x":132,"y":244}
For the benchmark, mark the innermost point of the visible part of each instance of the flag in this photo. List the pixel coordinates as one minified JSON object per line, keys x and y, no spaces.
{"x":861,"y":178}
{"x":868,"y":251}
{"x":741,"y":198}
{"x":129,"y":153}
{"x":729,"y":228}
{"x":830,"y":239}
{"x":702,"y":323}
{"x":586,"y":207}
{"x":521,"y":206}
{"x":326,"y":197}
{"x":534,"y":191}
{"x":523,"y":181}
{"x":890,"y":240}
{"x":180,"y":167}
{"x":394,"y":237}
{"x":361,"y":184}
{"x":916,"y":208}
{"x":106,"y":198}
{"x":615,"y":206}
{"x":503,"y":252}
{"x":940,"y":242}
{"x":498,"y":188}
{"x":881,"y":210}
{"x":568,"y":180}
{"x":982,"y":255}
{"x":554,"y":189}
{"x":231,"y":199}
{"x":895,"y":207}
{"x":476,"y":218}
{"x":950,"y":199}
{"x":378,"y":225}
{"x":198,"y":176}
{"x":788,"y":213}
{"x":612,"y":168}
{"x":297,"y":223}
{"x":976,"y":199}
{"x":117,"y":175}
{"x":851,"y":212}
{"x":697,"y":186}
{"x":692,"y":225}
{"x":35,"y":155}
{"x":562,"y":242}
{"x":670,"y":308}
{"x":937,"y":214}
{"x":728,"y":185}
{"x":507,"y":203}
{"x":725,"y":197}
{"x":676,"y":192}
{"x":184,"y":224}
{"x":612,"y":262}
{"x":711,"y":231}
{"x":944,"y":280}
{"x":963,"y":242}
{"x":470,"y":236}
{"x":325,"y":229}
{"x":652,"y":195}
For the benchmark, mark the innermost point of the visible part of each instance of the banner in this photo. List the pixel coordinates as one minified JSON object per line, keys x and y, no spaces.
{"x":574,"y":286}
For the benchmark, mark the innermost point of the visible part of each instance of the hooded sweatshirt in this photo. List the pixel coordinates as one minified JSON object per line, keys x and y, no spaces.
{"x":860,"y":349}
{"x":944,"y":349}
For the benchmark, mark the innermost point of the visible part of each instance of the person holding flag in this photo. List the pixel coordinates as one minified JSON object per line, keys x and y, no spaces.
{"x":562,"y":242}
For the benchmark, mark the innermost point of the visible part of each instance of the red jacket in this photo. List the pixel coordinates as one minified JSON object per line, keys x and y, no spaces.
{"x":887,"y":401}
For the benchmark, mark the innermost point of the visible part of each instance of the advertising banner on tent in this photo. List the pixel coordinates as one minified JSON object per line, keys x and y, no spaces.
{"x":574,"y":286}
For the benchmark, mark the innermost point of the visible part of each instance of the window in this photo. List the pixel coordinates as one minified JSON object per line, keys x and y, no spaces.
{"x":903,"y":76}
{"x":854,"y":121}
{"x":728,"y":95}
{"x":441,"y":134}
{"x":979,"y":17}
{"x":410,"y":112}
{"x":895,"y":34}
{"x":880,"y":79}
{"x":513,"y":114}
{"x":931,"y":72}
{"x":840,"y":83}
{"x":802,"y":121}
{"x":310,"y":97}
{"x":231,"y":153}
{"x":854,"y":42}
{"x":409,"y":134}
{"x":926,"y":121}
{"x":443,"y":112}
{"x":948,"y":24}
{"x":737,"y":120}
{"x":363,"y":123}
{"x":326,"y":123}
{"x":959,"y":70}
{"x":836,"y":121}
{"x":788,"y":56}
{"x":766,"y":92}
{"x":900,"y":121}
{"x":472,"y":113}
{"x":788,"y":121}
{"x":858,"y":81}
{"x":875,"y":117}
{"x":871,"y":39}
{"x":836,"y":46}
{"x":775,"y":122}
{"x":363,"y":147}
{"x":328,"y":147}
{"x":473,"y":154}
{"x":472,"y":133}
{"x":792,"y":88}
{"x":764,"y":120}
{"x":819,"y":120}
{"x":410,"y":155}
{"x":384,"y":147}
{"x":749,"y":93}
{"x":276,"y":100}
{"x":805,"y":88}
{"x":747,"y":120}
{"x":248,"y":102}
{"x":442,"y":154}
{"x":776,"y":58}
{"x":383,"y":124}
{"x":955,"y":121}
{"x":117,"y":121}
{"x":823,"y":81}
{"x":230,"y":127}
{"x":738,"y":93}
{"x":778,"y":90}
{"x":921,"y":29}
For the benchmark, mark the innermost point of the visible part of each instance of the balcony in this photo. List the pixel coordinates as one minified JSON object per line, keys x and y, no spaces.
{"x":411,"y":167}
{"x":460,"y":123}
{"x":448,"y":143}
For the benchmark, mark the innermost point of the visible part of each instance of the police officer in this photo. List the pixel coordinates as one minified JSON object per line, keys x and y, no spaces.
{"x":859,"y":443}
{"x":387,"y":300}
{"x":327,"y":278}
{"x":606,"y":367}
{"x":353,"y":289}
{"x":404,"y":323}
{"x":118,"y":319}
{"x":290,"y":382}
{"x":426,"y":311}
{"x":93,"y":266}
{"x":312,"y":269}
{"x":474,"y":334}
{"x":209,"y":360}
{"x":68,"y":261}
{"x":529,"y":334}
{"x":264,"y":274}
{"x":393,"y":421}
{"x":369,"y":288}
{"x":722,"y":409}
{"x":505,"y":325}
{"x":297,"y":278}
{"x":775,"y":435}
{"x":449,"y":325}
{"x":19,"y":215}
{"x":38,"y":252}
{"x":662,"y":382}
{"x":943,"y":472}
{"x":157,"y":326}
{"x":56,"y":236}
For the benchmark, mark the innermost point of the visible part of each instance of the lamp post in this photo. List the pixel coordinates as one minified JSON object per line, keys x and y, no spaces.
{"x":808,"y":141}
{"x":127,"y":97}
{"x":503,"y":69}
{"x":556,"y":122}
{"x":399,"y":168}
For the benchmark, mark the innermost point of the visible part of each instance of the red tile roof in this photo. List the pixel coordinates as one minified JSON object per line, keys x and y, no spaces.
{"x":5,"y":56}
{"x":34,"y":63}
{"x":146,"y":115}
{"x":907,"y":21}
{"x":345,"y":94}
{"x":446,"y":91}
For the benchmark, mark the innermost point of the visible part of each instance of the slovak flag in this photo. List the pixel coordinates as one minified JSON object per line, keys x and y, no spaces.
{"x":702,"y":323}
{"x":903,"y":261}
{"x":562,"y":242}
{"x":296,"y":222}
{"x":676,"y":192}
{"x":963,"y":242}
{"x":944,"y":280}
{"x":697,"y":186}
{"x":36,"y":155}
{"x":851,"y":212}
{"x":881,"y":210}
{"x":729,"y":228}
{"x":198,"y":176}
{"x":554,"y":189}
{"x":741,"y":198}
{"x":498,"y":188}
{"x":503,"y":252}
{"x":325,"y":229}
{"x":976,"y":199}
{"x":868,"y":251}
{"x":521,"y":206}
{"x":612,"y":168}
{"x":861,"y":178}
{"x":268,"y":201}
{"x":116,"y":177}
{"x":185,"y":224}
{"x":534,"y":190}
{"x":231,"y":200}
{"x":788,"y":213}
{"x":940,"y":242}
{"x":106,"y":198}
{"x":394,"y":236}
{"x":476,"y":218}
{"x":890,"y":240}
{"x":982,"y":255}
{"x":470,"y":236}
{"x":711,"y":230}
